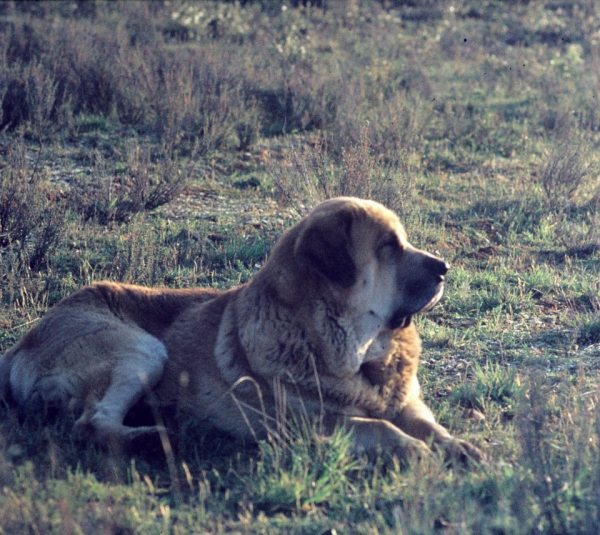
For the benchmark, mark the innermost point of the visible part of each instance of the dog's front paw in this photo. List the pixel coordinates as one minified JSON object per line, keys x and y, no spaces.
{"x":461,"y":452}
{"x":398,"y":444}
{"x":375,"y":438}
{"x":408,"y":450}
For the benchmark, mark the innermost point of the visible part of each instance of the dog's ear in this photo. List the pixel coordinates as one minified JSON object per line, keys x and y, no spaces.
{"x":326,"y":244}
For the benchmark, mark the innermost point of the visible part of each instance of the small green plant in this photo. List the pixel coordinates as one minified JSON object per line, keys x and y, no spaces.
{"x":589,"y":332}
{"x":489,"y":383}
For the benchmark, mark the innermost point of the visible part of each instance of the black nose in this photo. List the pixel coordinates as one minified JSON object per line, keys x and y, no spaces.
{"x":436,"y":266}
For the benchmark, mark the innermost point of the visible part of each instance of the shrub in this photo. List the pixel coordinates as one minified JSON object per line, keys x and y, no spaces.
{"x":66,"y":68}
{"x":144,"y":181}
{"x":31,"y":215}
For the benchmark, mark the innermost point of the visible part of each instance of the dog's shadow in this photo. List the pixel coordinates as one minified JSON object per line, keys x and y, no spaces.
{"x":45,"y":439}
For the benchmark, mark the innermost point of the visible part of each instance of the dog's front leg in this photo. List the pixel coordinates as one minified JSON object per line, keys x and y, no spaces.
{"x":372,"y":436}
{"x":417,"y":420}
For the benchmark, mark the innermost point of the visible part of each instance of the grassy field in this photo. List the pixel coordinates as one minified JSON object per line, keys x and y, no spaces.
{"x":172,"y":143}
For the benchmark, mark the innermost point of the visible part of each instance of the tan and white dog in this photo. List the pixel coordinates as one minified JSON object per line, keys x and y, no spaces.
{"x":325,"y":326}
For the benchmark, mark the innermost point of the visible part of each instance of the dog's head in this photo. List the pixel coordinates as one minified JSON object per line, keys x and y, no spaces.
{"x":360,"y":250}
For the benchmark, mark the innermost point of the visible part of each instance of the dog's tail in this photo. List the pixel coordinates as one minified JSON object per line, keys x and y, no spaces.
{"x":5,"y":367}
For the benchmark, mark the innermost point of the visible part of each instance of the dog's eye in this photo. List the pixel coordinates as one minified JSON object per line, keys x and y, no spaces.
{"x":387,"y":249}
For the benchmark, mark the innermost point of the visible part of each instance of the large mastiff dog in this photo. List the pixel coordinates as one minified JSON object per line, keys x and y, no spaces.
{"x":323,"y":330}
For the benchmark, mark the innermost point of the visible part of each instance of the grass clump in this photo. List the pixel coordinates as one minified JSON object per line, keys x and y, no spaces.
{"x":283,"y":482}
{"x":564,"y":464}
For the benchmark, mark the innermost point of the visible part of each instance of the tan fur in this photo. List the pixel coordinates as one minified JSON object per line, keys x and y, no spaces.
{"x":324,"y":329}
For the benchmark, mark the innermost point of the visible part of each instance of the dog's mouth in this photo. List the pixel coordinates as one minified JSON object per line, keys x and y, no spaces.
{"x":399,"y":321}
{"x":436,"y":298}
{"x":402,"y":317}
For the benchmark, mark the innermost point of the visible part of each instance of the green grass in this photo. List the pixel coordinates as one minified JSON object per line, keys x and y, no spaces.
{"x":477,"y":121}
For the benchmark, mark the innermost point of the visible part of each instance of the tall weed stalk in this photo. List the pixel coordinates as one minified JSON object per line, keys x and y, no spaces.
{"x":314,"y":173}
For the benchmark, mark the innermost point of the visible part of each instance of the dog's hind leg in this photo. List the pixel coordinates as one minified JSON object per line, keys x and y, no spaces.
{"x":138,"y":360}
